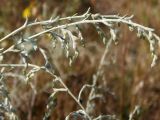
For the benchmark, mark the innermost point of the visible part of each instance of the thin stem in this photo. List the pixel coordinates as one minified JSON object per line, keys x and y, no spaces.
{"x":51,"y":21}
{"x":71,"y":94}
{"x":60,"y":80}
{"x":82,"y":89}
{"x":91,"y":21}
{"x":97,"y":75}
{"x":19,"y":65}
{"x":115,"y":19}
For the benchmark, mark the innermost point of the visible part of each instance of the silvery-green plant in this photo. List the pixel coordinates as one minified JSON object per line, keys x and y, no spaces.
{"x":67,"y":32}
{"x":5,"y":102}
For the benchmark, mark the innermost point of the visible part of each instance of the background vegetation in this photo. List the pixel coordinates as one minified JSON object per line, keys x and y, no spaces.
{"x":130,"y":80}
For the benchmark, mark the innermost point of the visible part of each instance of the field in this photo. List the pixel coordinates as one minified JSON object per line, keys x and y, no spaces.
{"x":126,"y":75}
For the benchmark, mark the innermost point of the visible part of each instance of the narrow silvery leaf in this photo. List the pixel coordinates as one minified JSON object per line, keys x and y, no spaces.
{"x":80,"y":35}
{"x":73,"y":39}
{"x":54,"y":42}
{"x":152,"y":45}
{"x":70,"y":61}
{"x":154,"y":60}
{"x":113,"y":34}
{"x":1,"y":58}
{"x":140,"y":33}
{"x":150,"y":35}
{"x":67,"y":53}
{"x":101,"y":33}
{"x":64,"y":33}
{"x":131,"y":28}
{"x":25,"y":59}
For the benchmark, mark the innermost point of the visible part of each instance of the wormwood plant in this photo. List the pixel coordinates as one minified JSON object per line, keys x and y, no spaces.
{"x":67,"y":32}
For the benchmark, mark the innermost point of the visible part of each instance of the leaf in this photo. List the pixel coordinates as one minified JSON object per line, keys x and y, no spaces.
{"x":1,"y":57}
{"x":101,"y":33}
{"x":51,"y":104}
{"x":80,"y":35}
{"x":131,"y":28}
{"x":154,"y":60}
{"x":114,"y":35}
{"x":140,"y":33}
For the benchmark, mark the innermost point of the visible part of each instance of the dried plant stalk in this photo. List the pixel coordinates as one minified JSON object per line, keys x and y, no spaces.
{"x":60,"y":31}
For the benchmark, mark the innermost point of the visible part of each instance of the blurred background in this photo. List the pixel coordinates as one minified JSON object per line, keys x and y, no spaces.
{"x":127,"y":71}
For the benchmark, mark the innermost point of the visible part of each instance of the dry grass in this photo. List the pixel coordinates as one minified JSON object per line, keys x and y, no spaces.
{"x":128,"y":77}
